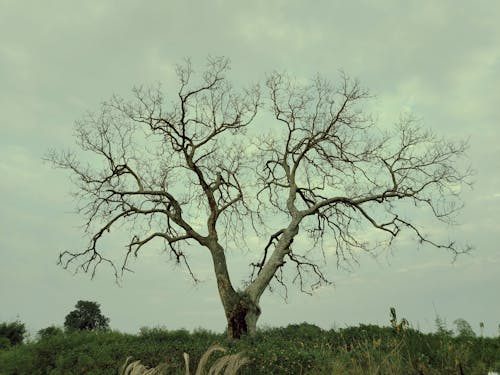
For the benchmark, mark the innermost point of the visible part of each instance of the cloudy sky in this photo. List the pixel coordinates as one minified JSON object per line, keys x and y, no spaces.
{"x":58,"y":59}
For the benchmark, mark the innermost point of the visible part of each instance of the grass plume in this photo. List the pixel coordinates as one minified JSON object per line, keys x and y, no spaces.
{"x":228,"y":364}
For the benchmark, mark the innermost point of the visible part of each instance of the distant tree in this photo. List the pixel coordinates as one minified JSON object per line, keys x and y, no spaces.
{"x":49,"y":331}
{"x":14,"y":332}
{"x":87,"y":316}
{"x":441,"y":327}
{"x":463,"y":328}
{"x":186,"y":172}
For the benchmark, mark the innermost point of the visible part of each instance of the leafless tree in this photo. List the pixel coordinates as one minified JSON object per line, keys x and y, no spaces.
{"x":186,"y":172}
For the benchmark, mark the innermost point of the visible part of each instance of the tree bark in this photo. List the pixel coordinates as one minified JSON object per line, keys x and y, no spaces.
{"x":242,"y":311}
{"x":261,"y":282}
{"x":242,"y":317}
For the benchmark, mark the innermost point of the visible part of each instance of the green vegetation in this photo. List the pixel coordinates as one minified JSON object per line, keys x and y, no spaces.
{"x":296,"y":349}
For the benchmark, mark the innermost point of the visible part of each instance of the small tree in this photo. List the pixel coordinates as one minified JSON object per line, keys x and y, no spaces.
{"x":87,"y":316}
{"x":186,"y":172}
{"x":442,"y":327}
{"x":14,"y":332}
{"x":49,"y":332}
{"x":463,"y":328}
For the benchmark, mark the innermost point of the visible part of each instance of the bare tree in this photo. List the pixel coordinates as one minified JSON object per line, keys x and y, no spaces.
{"x":186,"y":172}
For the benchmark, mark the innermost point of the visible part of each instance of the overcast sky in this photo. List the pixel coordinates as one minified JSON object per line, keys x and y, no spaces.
{"x":438,"y":59}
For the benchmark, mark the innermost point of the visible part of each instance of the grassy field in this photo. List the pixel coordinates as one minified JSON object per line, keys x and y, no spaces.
{"x":296,"y":349}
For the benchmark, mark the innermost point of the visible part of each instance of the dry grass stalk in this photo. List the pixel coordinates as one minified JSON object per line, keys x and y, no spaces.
{"x":186,"y":362}
{"x":137,"y":368}
{"x":204,"y":358}
{"x":231,"y":363}
{"x":228,"y":364}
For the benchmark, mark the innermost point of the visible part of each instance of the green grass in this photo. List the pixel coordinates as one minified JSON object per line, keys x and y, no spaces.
{"x":296,"y":349}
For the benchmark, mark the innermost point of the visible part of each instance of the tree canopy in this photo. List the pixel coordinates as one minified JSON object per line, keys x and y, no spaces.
{"x":12,"y":333}
{"x":86,"y":316}
{"x":204,"y":169}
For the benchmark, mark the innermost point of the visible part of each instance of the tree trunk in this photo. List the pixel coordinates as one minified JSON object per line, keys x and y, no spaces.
{"x":242,"y":315}
{"x":241,"y":310}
